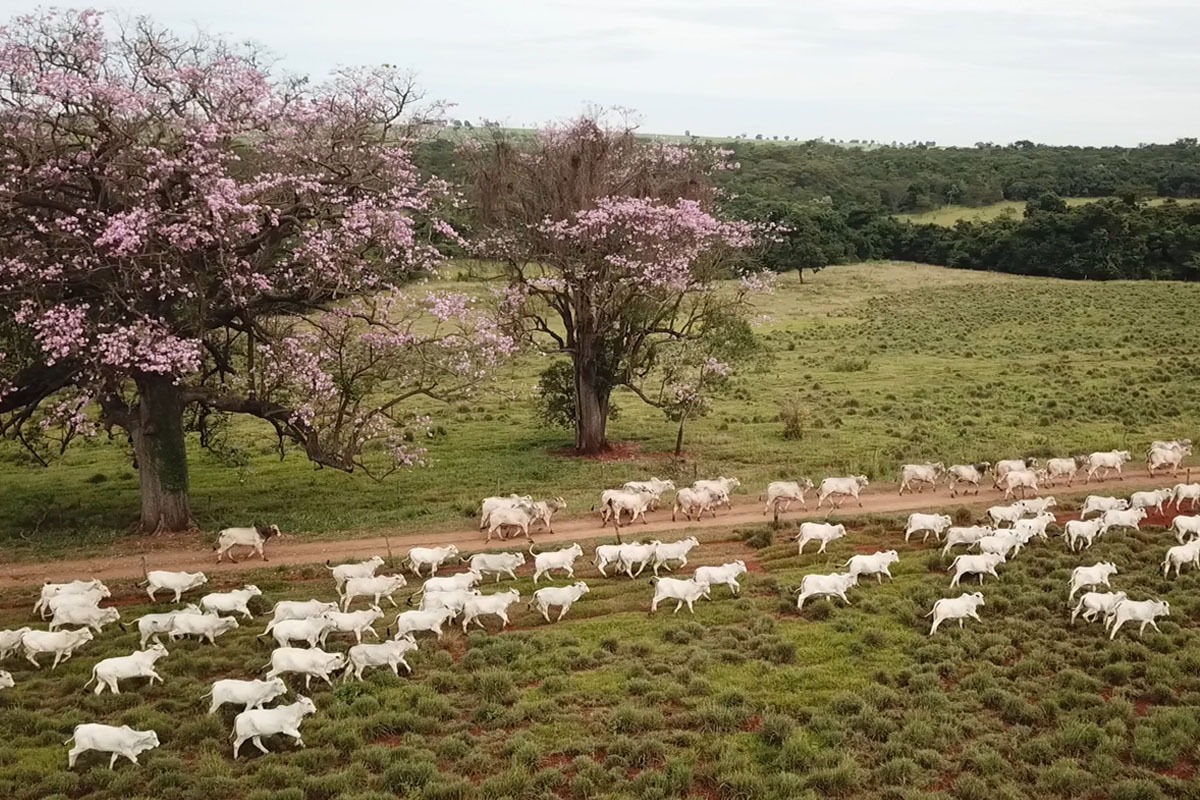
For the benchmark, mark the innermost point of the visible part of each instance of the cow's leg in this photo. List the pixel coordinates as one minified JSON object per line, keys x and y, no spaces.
{"x":112,"y":762}
{"x":258,"y":743}
{"x":73,"y":755}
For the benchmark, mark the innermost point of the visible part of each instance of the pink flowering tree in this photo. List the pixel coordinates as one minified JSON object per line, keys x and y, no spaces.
{"x":183,"y":236}
{"x":611,"y":251}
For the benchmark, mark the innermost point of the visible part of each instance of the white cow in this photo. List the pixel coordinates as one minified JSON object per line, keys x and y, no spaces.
{"x":980,"y":565}
{"x":10,"y":641}
{"x":259,"y":722}
{"x":433,"y":557}
{"x":310,"y":662}
{"x":139,"y":664}
{"x":489,"y":605}
{"x":653,"y":486}
{"x":1009,"y":514}
{"x":564,"y":596}
{"x":6,"y":679}
{"x":449,"y":583}
{"x":1111,"y":460}
{"x":235,"y":602}
{"x":177,"y":582}
{"x":684,"y":591}
{"x":1181,"y":554}
{"x":1037,"y":505}
{"x":970,"y":474}
{"x":254,"y":538}
{"x":506,"y":521}
{"x":1130,"y":518}
{"x":1095,"y":575}
{"x":1185,"y":526}
{"x":821,"y":532}
{"x":73,"y":587}
{"x":497,"y":564}
{"x":311,"y":630}
{"x":1186,"y":491}
{"x":1173,"y":444}
{"x":1005,"y":543}
{"x":616,"y":502}
{"x":122,"y":741}
{"x":696,"y":502}
{"x":491,"y":504}
{"x":202,"y":626}
{"x":564,"y":559}
{"x":297,"y":609}
{"x":1098,"y":504}
{"x":1154,"y":499}
{"x":607,"y":554}
{"x":959,"y":608}
{"x":1078,"y":530}
{"x":876,"y":564}
{"x":359,"y":569}
{"x":1024,"y":479}
{"x":1092,"y":604}
{"x":927,"y":524}
{"x":1143,"y":611}
{"x":639,"y":555}
{"x":432,"y":620}
{"x":62,"y":643}
{"x":385,"y":654}
{"x":721,"y":486}
{"x":841,"y":487}
{"x":92,"y":617}
{"x":90,"y":598}
{"x":833,"y":585}
{"x":151,"y":625}
{"x":1165,"y":459}
{"x":454,"y":600}
{"x":1005,"y":466}
{"x":1062,"y":468}
{"x":921,"y":474}
{"x":781,"y":494}
{"x":726,"y":574}
{"x":376,"y":587}
{"x":249,"y":694}
{"x":965,"y":535}
{"x":356,"y":622}
{"x":674,"y":551}
{"x":1034,"y":527}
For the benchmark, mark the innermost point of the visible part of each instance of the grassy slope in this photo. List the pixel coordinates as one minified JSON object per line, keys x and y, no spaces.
{"x":948,"y":215}
{"x":894,"y":363}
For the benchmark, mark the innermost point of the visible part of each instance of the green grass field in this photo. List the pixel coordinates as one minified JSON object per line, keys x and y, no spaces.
{"x":747,"y":699}
{"x":891,"y":363}
{"x":948,"y":215}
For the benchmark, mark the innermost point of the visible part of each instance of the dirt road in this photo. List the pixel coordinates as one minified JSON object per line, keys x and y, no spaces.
{"x":194,"y":553}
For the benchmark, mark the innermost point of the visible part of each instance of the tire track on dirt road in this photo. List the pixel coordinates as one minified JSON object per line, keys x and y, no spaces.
{"x":194,"y":553}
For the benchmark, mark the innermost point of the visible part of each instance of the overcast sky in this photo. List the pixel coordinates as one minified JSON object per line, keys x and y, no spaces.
{"x":954,"y":71}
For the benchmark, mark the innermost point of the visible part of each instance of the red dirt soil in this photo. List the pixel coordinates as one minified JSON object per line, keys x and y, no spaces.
{"x":193,"y":552}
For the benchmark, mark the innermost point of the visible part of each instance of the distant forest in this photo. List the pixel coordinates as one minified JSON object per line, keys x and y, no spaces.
{"x":839,"y":205}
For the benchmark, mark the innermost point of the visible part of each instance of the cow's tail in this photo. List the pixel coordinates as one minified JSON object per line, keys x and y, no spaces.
{"x":328,"y":565}
{"x":531,"y":549}
{"x":89,"y":683}
{"x":930,"y":614}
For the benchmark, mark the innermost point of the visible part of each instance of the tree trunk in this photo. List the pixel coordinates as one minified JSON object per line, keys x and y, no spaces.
{"x":679,"y":437}
{"x":161,"y":451}
{"x":591,"y":408}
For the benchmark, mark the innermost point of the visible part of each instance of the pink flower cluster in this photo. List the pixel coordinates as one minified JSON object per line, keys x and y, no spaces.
{"x":147,"y":346}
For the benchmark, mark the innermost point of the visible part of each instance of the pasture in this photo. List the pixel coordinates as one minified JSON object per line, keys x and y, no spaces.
{"x":746,"y":699}
{"x":949,"y":215}
{"x":887,"y":363}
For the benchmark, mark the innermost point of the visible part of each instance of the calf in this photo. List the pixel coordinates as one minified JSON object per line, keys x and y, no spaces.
{"x":1179,"y":555}
{"x":1153,"y":499}
{"x":254,"y":538}
{"x":781,"y":494}
{"x":1096,"y":603}
{"x":820,"y":532}
{"x":834,"y":585}
{"x":311,"y":663}
{"x":1130,"y":518}
{"x":249,"y":694}
{"x":968,"y":535}
{"x":359,"y":569}
{"x":92,"y":617}
{"x":1095,"y":575}
{"x":927,"y":524}
{"x":726,"y":574}
{"x":920,"y":474}
{"x":73,"y":587}
{"x":876,"y":564}
{"x":980,"y":565}
{"x":356,"y":622}
{"x":202,"y":626}
{"x":139,"y":664}
{"x":432,"y":620}
{"x":433,"y":557}
{"x":297,"y":609}
{"x":1185,"y":526}
{"x":1185,"y":491}
{"x":122,"y":741}
{"x":673,"y":551}
{"x":564,"y":559}
{"x":234,"y":602}
{"x":1078,"y":530}
{"x":841,"y":487}
{"x":489,"y":605}
{"x":1111,"y":460}
{"x":385,"y":654}
{"x":258,"y":722}
{"x":312,"y":630}
{"x":970,"y":474}
{"x":684,"y":591}
{"x":564,"y":596}
{"x":1143,"y":611}
{"x":151,"y":625}
{"x":377,"y":587}
{"x":1097,"y":504}
{"x":959,"y":608}
{"x":177,"y":582}
{"x":62,"y":643}
{"x":497,"y":564}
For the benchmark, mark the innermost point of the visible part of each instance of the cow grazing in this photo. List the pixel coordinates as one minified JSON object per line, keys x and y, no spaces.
{"x":927,"y":524}
{"x":970,"y":474}
{"x":177,"y":582}
{"x":1143,"y":611}
{"x":959,"y":608}
{"x":359,"y":569}
{"x":920,"y":474}
{"x":432,"y":557}
{"x":834,"y":585}
{"x":984,"y":564}
{"x":563,"y":596}
{"x":234,"y":602}
{"x":122,"y":741}
{"x":683,"y":591}
{"x":248,"y":694}
{"x":841,"y":487}
{"x":139,"y":664}
{"x":781,"y":494}
{"x":259,"y":722}
{"x":255,"y":538}
{"x":1108,"y":461}
{"x":385,"y":654}
{"x":1095,"y":575}
{"x":726,"y":574}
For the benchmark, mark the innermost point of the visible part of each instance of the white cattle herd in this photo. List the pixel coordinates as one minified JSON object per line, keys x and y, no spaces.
{"x":76,"y":616}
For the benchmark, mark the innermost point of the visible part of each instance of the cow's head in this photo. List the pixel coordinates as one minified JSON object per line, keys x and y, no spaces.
{"x":978,"y":597}
{"x":252,"y":590}
{"x":305,"y":705}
